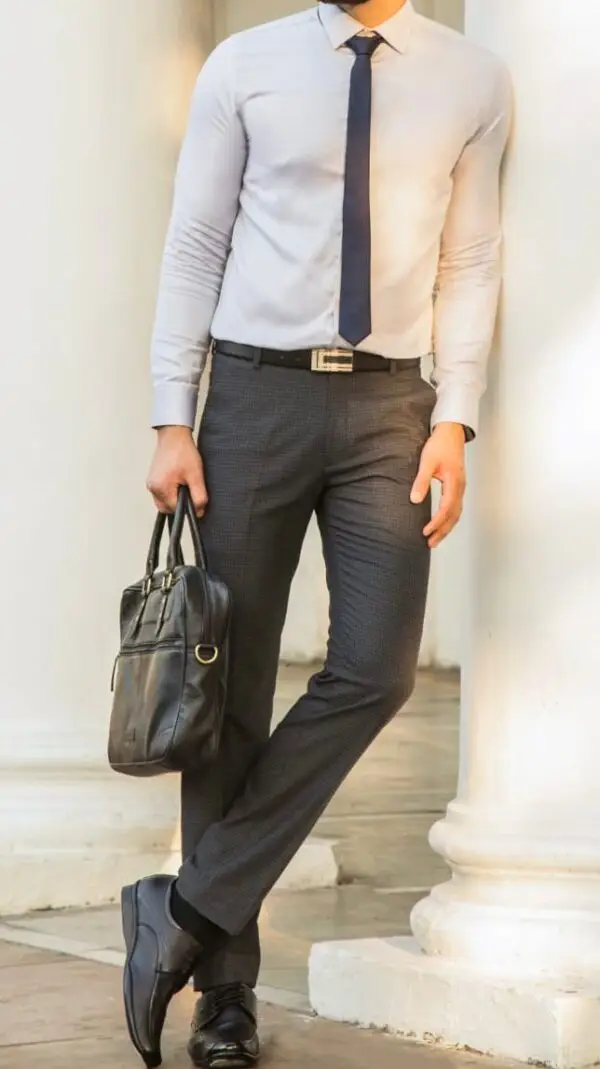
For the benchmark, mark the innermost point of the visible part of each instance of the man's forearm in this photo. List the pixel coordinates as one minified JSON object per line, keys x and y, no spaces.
{"x":465,"y":315}
{"x":181,"y":336}
{"x":207,"y":192}
{"x":469,"y":276}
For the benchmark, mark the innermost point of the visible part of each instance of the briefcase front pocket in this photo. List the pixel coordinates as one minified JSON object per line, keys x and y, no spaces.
{"x":146,"y":707}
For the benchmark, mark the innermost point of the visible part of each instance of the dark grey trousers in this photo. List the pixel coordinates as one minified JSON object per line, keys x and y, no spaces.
{"x":279,"y":445}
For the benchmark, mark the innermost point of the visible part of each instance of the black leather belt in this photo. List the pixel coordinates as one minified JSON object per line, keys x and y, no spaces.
{"x":327,"y":360}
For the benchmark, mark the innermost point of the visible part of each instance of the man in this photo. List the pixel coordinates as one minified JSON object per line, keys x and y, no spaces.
{"x":336,"y":219}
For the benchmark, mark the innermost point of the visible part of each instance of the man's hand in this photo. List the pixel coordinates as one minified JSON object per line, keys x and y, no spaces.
{"x":177,"y":463}
{"x":443,"y":458}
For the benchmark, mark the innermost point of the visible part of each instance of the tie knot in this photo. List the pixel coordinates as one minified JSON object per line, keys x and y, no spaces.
{"x":363,"y":45}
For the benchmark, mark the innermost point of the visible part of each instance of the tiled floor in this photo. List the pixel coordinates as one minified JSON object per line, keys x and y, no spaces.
{"x":379,"y":820}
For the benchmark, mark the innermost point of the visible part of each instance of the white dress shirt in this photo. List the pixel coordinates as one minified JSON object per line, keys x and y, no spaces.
{"x":253,"y":252}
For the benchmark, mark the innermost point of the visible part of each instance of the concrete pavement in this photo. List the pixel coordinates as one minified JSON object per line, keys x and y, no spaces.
{"x":58,"y":1012}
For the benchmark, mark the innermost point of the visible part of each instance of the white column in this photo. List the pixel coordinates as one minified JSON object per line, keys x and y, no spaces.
{"x":507,"y":954}
{"x":93,"y":97}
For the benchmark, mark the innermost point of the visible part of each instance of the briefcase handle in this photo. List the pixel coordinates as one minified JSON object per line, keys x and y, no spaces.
{"x":183,"y":511}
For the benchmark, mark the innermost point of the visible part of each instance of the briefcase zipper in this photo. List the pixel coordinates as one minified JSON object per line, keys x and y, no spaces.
{"x":143,"y":647}
{"x":147,"y":647}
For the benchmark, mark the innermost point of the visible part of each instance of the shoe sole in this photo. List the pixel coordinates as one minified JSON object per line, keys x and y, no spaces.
{"x":129,"y":917}
{"x":226,"y":1061}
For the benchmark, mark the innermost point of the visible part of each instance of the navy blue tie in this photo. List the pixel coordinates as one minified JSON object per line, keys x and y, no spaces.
{"x":355,"y":298}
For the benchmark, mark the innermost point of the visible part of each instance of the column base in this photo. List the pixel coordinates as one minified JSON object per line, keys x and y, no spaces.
{"x":391,"y":984}
{"x":71,"y":835}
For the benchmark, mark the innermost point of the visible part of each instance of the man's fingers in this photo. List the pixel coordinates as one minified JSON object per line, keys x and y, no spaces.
{"x":450,"y":506}
{"x":198,"y":494}
{"x":164,"y":497}
{"x":159,"y":504}
{"x":444,"y":513}
{"x":422,"y":483}
{"x":444,"y":531}
{"x":177,"y":463}
{"x":442,"y":460}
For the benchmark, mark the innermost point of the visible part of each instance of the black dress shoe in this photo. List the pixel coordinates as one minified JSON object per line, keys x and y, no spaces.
{"x":160,"y":960}
{"x":224,"y":1031}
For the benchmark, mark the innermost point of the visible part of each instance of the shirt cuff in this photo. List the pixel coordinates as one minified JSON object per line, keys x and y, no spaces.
{"x":457,"y":404}
{"x":175,"y":405}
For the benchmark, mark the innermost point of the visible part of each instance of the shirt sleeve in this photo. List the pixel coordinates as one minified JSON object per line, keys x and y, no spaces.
{"x":469,"y":275}
{"x":206,"y":203}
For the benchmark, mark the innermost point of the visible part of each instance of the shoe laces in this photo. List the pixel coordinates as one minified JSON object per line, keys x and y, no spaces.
{"x":228,"y":995}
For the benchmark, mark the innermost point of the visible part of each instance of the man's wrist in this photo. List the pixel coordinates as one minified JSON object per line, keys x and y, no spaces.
{"x":457,"y":429}
{"x":174,"y":430}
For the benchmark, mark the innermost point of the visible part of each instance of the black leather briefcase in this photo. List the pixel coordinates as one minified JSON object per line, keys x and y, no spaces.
{"x":170,"y":677}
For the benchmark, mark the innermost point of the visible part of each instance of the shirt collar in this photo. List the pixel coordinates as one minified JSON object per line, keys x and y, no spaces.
{"x":340,"y":26}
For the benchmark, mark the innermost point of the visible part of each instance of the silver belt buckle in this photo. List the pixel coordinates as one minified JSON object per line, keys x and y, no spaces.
{"x":332,"y":360}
